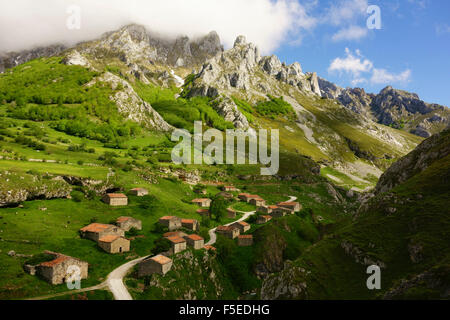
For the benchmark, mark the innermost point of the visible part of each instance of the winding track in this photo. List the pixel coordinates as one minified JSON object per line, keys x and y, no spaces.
{"x":114,"y":281}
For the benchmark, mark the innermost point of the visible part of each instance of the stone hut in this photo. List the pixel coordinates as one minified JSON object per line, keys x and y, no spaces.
{"x":203,"y":212}
{"x":263,"y":219}
{"x":225,"y":195}
{"x":209,"y":248}
{"x":114,"y":244}
{"x":242,"y":226}
{"x":266,"y":209}
{"x":128,"y":223}
{"x":281,"y":212}
{"x":259,"y":202}
{"x":195,"y":241}
{"x":174,"y":234}
{"x":57,"y":271}
{"x":247,"y":197}
{"x":204,"y":203}
{"x":230,"y":232}
{"x":229,"y":189}
{"x":171,"y":222}
{"x":245,"y":240}
{"x":159,"y":264}
{"x":115,"y":199}
{"x":293,"y":206}
{"x":95,"y":231}
{"x":190,"y":224}
{"x":178,"y":244}
{"x":139,"y":192}
{"x":231,"y":213}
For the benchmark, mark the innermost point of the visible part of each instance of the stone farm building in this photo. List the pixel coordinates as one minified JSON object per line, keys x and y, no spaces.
{"x":281,"y":212}
{"x":245,"y":240}
{"x":195,"y":241}
{"x":190,"y":224}
{"x":230,"y":232}
{"x":263,"y":219}
{"x":259,"y":202}
{"x":114,"y":244}
{"x":225,"y":195}
{"x":204,"y":203}
{"x":231,"y":213}
{"x":294,"y":206}
{"x":242,"y":226}
{"x":266,"y":209}
{"x":174,"y":234}
{"x":178,"y":244}
{"x":56,"y":271}
{"x":229,"y":188}
{"x":203,"y":212}
{"x":128,"y":223}
{"x":115,"y":199}
{"x":140,"y":192}
{"x":95,"y":231}
{"x":247,"y":197}
{"x":159,"y":264}
{"x":171,"y":222}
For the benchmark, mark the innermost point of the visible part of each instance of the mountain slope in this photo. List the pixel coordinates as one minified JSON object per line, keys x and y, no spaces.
{"x":406,"y":232}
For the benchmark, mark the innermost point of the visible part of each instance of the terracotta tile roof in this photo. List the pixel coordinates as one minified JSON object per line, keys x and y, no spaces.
{"x":123,"y":219}
{"x":116,"y":195}
{"x":208,"y":247}
{"x":273,"y":207}
{"x":176,"y":239}
{"x":161,"y":259}
{"x":246,"y":236}
{"x":224,"y":228}
{"x":96,"y":227}
{"x":172,"y":234}
{"x":253,"y":196}
{"x":242,"y":223}
{"x":202,"y":211}
{"x":109,"y":238}
{"x":60,"y":259}
{"x":167,"y":218}
{"x":267,"y":217}
{"x":195,"y":237}
{"x":291,"y":204}
{"x":188,"y":221}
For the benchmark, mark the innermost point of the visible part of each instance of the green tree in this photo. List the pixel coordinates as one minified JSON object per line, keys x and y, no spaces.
{"x":218,"y":209}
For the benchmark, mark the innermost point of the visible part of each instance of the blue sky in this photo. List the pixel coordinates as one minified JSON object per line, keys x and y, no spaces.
{"x":411,"y":51}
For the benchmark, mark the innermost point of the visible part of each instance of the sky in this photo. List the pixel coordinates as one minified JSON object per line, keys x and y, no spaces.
{"x":353,"y":43}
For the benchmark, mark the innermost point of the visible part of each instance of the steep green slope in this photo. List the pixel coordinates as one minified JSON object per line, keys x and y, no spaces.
{"x":406,"y":232}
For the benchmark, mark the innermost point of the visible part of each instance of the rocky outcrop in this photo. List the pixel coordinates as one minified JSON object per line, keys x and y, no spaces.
{"x":229,"y":111}
{"x":421,"y":158}
{"x":131,"y":105}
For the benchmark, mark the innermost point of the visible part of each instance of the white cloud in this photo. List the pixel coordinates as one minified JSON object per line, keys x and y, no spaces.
{"x":27,"y":23}
{"x":352,"y":64}
{"x":356,"y":66}
{"x":442,"y":29}
{"x":382,"y":76}
{"x":350,"y":33}
{"x":345,"y":11}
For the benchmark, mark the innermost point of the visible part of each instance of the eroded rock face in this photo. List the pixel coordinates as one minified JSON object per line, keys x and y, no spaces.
{"x":229,"y":111}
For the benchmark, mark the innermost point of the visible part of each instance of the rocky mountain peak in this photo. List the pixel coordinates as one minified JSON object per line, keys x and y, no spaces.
{"x":240,"y":40}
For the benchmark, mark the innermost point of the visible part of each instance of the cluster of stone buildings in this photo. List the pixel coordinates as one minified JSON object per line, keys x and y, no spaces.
{"x":111,"y":238}
{"x":280,"y":210}
{"x":236,"y":230}
{"x":120,"y":199}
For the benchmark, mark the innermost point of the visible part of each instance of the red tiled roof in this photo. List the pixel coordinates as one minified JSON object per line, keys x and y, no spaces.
{"x":267,"y":217}
{"x":291,"y":204}
{"x":161,"y":259}
{"x":246,"y":236}
{"x":176,"y":239}
{"x":224,"y":228}
{"x":172,"y":234}
{"x":188,"y":221}
{"x":123,"y":219}
{"x":58,"y":260}
{"x":167,"y":218}
{"x":242,"y":223}
{"x":202,"y":211}
{"x":109,"y":238}
{"x":208,"y":247}
{"x":273,"y":207}
{"x":95,"y":227}
{"x":116,"y":195}
{"x":195,"y":237}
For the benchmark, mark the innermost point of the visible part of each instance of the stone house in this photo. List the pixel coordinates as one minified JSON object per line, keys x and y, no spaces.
{"x":195,"y":241}
{"x":190,"y":224}
{"x":209,"y":248}
{"x":95,"y":231}
{"x":139,"y":192}
{"x":245,"y":240}
{"x":247,"y":197}
{"x":171,"y":222}
{"x":263,"y":219}
{"x":225,"y":195}
{"x":259,"y":202}
{"x":242,"y":226}
{"x":203,"y":212}
{"x":159,"y":264}
{"x":266,"y":209}
{"x":230,"y":232}
{"x":293,"y":206}
{"x":115,"y":199}
{"x":127,"y":223}
{"x":57,"y":271}
{"x":174,"y":234}
{"x":231,"y":213}
{"x":281,"y":212}
{"x":178,"y":244}
{"x":229,"y":189}
{"x":114,"y":244}
{"x":204,"y":203}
